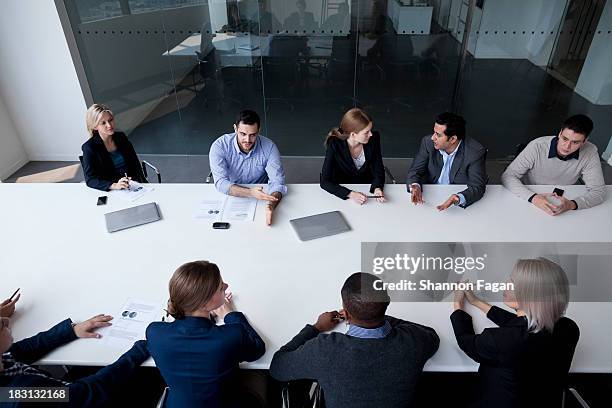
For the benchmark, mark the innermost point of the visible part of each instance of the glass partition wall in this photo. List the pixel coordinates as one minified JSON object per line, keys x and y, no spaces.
{"x":175,"y":72}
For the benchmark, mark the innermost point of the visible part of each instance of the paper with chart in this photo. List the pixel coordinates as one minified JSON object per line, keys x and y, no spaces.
{"x":135,"y":191}
{"x":227,"y":209}
{"x":130,"y":322}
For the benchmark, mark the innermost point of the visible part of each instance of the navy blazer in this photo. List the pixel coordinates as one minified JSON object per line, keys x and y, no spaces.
{"x":339,"y":167}
{"x":98,"y":167}
{"x":92,"y":391}
{"x":518,"y":369}
{"x":199,"y":360}
{"x":469,"y":167}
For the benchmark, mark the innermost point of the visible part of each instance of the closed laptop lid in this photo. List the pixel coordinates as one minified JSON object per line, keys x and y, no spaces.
{"x":132,"y":217}
{"x":320,"y":225}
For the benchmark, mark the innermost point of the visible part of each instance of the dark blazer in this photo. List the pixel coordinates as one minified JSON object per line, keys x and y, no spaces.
{"x":468,"y":168}
{"x":98,"y":166}
{"x":199,"y":360}
{"x":94,"y":390}
{"x":292,"y":23}
{"x":518,"y":369}
{"x":339,"y":167}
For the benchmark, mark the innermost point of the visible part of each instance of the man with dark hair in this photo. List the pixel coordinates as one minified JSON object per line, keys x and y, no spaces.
{"x":559,"y":160}
{"x":245,"y":157}
{"x":375,"y":364}
{"x":449,"y":157}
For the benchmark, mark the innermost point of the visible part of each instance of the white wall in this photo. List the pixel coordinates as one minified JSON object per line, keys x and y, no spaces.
{"x":12,"y":153}
{"x":519,"y":15}
{"x":38,"y":81}
{"x":595,"y":82}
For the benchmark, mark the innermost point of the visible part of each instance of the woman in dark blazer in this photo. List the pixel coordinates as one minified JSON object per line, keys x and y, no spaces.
{"x":525,"y":361}
{"x":198,"y":359}
{"x":108,"y":156}
{"x":353,"y":156}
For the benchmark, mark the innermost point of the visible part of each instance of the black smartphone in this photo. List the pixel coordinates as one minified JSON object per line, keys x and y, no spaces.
{"x":558,"y":192}
{"x":221,"y":225}
{"x":102,"y":200}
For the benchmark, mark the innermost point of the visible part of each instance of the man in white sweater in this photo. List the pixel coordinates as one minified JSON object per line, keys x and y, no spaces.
{"x":559,"y":160}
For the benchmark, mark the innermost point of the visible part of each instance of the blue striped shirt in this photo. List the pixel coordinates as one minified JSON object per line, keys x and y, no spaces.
{"x":363,"y":333}
{"x":262,"y":164}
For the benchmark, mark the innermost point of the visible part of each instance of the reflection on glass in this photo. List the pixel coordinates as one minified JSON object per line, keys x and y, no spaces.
{"x":177,"y":71}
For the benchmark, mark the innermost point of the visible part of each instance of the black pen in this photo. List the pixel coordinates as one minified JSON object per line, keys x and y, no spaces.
{"x":375,"y":196}
{"x":13,"y":295}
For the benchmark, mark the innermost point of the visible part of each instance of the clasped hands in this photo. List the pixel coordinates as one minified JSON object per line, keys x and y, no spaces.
{"x":541,"y":201}
{"x":361,"y":198}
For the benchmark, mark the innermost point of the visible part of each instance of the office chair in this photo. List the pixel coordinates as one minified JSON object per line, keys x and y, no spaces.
{"x":388,"y":173}
{"x":209,"y":178}
{"x":144,"y":165}
{"x":577,"y":397}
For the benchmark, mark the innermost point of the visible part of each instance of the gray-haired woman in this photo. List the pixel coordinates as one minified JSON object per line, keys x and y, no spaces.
{"x":524,"y":362}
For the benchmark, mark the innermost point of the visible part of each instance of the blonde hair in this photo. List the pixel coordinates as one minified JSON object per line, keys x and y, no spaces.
{"x":94,"y":115}
{"x":191,"y":287}
{"x":541,"y":289}
{"x":355,"y":120}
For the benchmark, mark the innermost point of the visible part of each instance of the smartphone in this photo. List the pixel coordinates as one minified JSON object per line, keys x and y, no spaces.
{"x":221,"y":225}
{"x":102,"y":200}
{"x":554,"y":200}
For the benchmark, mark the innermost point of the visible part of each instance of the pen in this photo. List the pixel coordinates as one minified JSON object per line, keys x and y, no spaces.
{"x":13,"y":295}
{"x":374,"y":196}
{"x":127,"y":178}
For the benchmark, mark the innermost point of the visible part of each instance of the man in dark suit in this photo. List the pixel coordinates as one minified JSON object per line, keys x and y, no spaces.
{"x":449,"y":157}
{"x":301,"y":20}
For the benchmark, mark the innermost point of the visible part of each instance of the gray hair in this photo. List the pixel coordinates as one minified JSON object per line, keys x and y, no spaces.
{"x":93,"y":116}
{"x":541,"y":289}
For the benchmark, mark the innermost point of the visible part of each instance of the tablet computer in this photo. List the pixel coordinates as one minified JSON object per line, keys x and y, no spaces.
{"x":132,"y":217}
{"x":320,"y":225}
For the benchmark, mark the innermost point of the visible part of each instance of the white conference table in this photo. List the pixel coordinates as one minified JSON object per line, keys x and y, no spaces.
{"x":56,"y":249}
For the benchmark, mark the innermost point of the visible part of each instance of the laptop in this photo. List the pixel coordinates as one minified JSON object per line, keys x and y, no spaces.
{"x":320,"y":225}
{"x":132,"y":217}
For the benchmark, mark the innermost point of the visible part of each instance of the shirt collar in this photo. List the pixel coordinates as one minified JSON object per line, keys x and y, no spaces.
{"x":237,"y":148}
{"x":363,"y":333}
{"x":552,"y":152}
{"x":444,"y":154}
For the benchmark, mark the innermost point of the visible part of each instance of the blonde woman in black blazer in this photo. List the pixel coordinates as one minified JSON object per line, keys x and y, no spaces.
{"x":524,"y":361}
{"x":353,"y":156}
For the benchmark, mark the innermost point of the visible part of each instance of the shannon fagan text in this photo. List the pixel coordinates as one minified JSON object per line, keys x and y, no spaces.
{"x":428,"y":285}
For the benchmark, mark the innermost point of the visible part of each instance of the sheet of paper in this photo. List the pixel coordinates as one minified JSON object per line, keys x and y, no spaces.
{"x":209,"y":209}
{"x":130,"y":322}
{"x":239,"y":209}
{"x":135,"y":192}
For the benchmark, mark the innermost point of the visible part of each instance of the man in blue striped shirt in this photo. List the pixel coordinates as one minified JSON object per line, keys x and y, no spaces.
{"x":246,"y":157}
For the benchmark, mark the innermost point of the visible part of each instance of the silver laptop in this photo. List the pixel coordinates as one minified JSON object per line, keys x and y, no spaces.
{"x":132,"y":217}
{"x":320,"y":225}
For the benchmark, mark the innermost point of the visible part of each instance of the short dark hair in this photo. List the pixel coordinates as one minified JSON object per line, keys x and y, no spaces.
{"x":248,"y":117}
{"x":455,"y":124}
{"x":361,"y":300}
{"x":580,"y":124}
